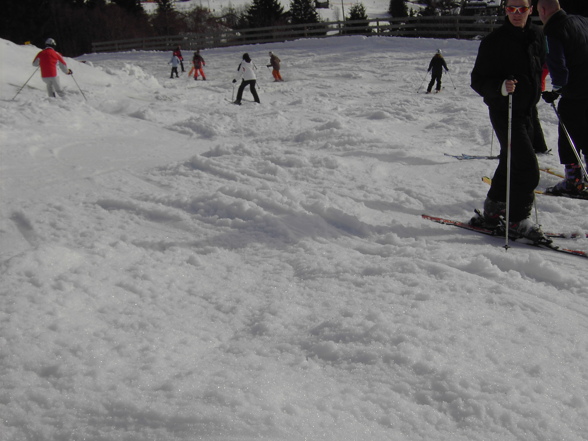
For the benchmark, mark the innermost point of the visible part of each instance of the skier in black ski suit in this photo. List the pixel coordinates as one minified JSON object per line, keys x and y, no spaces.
{"x":436,"y":65}
{"x":567,"y":60}
{"x":510,"y":61}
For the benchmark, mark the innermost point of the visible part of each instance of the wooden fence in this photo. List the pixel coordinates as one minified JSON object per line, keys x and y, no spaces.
{"x":427,"y":27}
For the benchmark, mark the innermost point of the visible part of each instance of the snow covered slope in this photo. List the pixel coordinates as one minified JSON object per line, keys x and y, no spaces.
{"x":175,"y":267}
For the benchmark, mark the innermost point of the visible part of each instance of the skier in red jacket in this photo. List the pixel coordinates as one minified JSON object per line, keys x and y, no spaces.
{"x":48,"y":59}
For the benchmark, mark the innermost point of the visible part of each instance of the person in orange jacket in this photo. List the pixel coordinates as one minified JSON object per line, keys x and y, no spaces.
{"x":197,"y":64}
{"x":48,"y":60}
{"x":275,"y":65}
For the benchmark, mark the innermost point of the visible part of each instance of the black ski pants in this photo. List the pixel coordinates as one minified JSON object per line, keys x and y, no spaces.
{"x":539,"y":143}
{"x":435,"y":77}
{"x":251,"y":84}
{"x":574,"y":115}
{"x":524,"y":173}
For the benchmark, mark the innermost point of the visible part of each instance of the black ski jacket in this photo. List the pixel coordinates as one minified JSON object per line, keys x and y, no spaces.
{"x":507,"y":51}
{"x":567,"y":53}
{"x":437,"y":64}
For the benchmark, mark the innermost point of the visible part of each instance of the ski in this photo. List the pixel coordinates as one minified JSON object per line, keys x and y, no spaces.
{"x":497,"y":233}
{"x":464,"y":156}
{"x":488,"y":181}
{"x":552,"y":172}
{"x":583,"y":196}
{"x":491,"y":232}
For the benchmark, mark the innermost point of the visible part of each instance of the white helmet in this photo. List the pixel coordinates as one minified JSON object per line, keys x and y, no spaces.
{"x":439,"y":51}
{"x":50,"y":42}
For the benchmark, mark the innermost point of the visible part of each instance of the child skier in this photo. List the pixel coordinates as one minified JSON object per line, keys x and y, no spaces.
{"x":198,"y":63}
{"x":175,"y":61}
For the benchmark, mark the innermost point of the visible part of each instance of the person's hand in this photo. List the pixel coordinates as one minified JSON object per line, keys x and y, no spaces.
{"x":509,"y":86}
{"x":234,"y":81}
{"x":70,"y":72}
{"x":550,"y":97}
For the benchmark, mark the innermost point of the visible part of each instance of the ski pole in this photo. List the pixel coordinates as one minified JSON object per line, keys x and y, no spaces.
{"x":508,"y":168}
{"x":569,"y":138}
{"x":423,"y":82}
{"x":25,"y":83}
{"x":451,"y":80}
{"x":78,"y":86}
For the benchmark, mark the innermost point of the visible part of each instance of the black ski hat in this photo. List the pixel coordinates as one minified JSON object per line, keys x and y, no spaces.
{"x":247,"y":58}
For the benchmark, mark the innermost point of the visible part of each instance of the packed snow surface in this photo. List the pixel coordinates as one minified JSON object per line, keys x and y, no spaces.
{"x":175,"y":267}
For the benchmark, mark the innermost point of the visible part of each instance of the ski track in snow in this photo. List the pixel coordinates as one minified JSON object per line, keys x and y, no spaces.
{"x":178,"y":268}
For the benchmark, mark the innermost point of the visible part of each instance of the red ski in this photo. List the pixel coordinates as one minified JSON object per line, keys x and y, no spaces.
{"x":500,"y":233}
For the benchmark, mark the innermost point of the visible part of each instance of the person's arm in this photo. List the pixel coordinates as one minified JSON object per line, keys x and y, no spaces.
{"x":63,"y":65}
{"x":556,"y":63}
{"x":482,"y":80}
{"x":240,"y":74}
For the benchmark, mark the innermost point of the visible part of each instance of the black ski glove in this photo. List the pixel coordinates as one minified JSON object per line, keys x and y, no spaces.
{"x":550,"y":97}
{"x":70,"y":72}
{"x":234,"y":81}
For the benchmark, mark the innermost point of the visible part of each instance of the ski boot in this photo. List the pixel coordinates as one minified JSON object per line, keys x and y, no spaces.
{"x":528,"y":229}
{"x":572,"y":184}
{"x":490,"y":219}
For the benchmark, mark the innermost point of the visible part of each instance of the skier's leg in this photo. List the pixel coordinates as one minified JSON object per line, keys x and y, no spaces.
{"x":49,"y":85}
{"x":57,"y":86}
{"x":240,"y":92}
{"x":574,"y":115}
{"x":253,"y":91}
{"x":430,"y":86}
{"x":524,"y":168}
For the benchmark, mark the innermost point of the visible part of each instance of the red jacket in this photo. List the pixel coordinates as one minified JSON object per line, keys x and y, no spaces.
{"x":48,"y":59}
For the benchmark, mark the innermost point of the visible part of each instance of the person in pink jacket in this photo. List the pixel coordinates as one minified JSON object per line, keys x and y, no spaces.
{"x":48,"y":59}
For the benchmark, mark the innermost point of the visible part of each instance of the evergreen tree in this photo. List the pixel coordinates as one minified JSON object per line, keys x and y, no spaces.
{"x":166,"y":20}
{"x":164,"y":6}
{"x":303,"y":11}
{"x":398,"y":8}
{"x":358,"y":12}
{"x":264,"y":13}
{"x":200,"y":20}
{"x":132,"y":6}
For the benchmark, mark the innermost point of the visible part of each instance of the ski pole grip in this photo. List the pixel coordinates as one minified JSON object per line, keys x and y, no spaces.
{"x":510,"y":78}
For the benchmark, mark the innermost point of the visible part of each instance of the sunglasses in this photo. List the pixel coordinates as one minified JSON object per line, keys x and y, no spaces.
{"x":519,"y":9}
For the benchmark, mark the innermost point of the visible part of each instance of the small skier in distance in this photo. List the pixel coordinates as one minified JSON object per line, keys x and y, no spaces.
{"x":175,"y":61}
{"x":436,"y":65}
{"x":275,"y":65}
